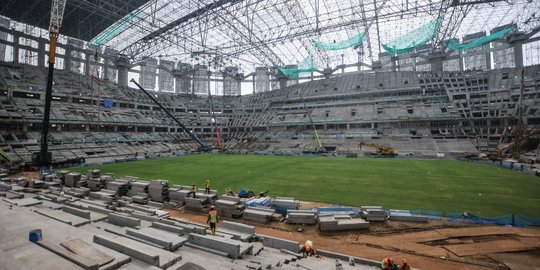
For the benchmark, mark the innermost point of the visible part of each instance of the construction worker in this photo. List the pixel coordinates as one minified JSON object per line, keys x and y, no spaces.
{"x":212,"y":219}
{"x":404,"y":265}
{"x":388,"y":264}
{"x":308,"y":249}
{"x":194,"y":189}
{"x":207,"y":187}
{"x":384,"y":264}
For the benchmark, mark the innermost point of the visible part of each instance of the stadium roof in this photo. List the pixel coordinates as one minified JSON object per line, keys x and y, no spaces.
{"x":83,"y":19}
{"x":251,"y":33}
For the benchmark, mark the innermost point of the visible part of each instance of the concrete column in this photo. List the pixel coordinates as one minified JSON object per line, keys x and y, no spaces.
{"x":122,"y":64}
{"x":518,"y":53}
{"x":461,"y":65}
{"x":87,"y":61}
{"x":283,"y":82}
{"x":488,"y":58}
{"x":15,"y":47}
{"x":41,"y":52}
{"x":67,"y":57}
{"x":436,"y":60}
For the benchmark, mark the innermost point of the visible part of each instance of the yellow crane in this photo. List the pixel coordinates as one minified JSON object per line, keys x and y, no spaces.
{"x":381,"y":150}
{"x":57,"y":13}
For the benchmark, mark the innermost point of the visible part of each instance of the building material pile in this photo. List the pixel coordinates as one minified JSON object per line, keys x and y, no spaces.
{"x":405,"y":215}
{"x":229,"y":207}
{"x":258,"y":214}
{"x":108,"y":196}
{"x":77,"y":192}
{"x":72,"y":179}
{"x":138,"y":187}
{"x":121,"y":187}
{"x":93,"y":173}
{"x":159,"y":190}
{"x":301,"y":217}
{"x":178,"y":193}
{"x":373,"y":213}
{"x":96,"y":184}
{"x":200,"y":205}
{"x":341,"y":223}
{"x":282,"y":204}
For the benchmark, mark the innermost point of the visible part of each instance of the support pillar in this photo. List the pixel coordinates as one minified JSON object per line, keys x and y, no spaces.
{"x":436,"y":61}
{"x":15,"y":47}
{"x":122,"y":64}
{"x":41,"y":52}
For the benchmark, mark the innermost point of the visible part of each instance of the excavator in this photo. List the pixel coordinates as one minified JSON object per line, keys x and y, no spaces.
{"x":384,"y":151}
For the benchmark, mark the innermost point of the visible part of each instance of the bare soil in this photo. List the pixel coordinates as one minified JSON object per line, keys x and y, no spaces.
{"x":425,"y":245}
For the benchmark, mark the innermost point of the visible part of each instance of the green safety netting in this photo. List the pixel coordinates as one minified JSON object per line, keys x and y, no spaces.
{"x":344,"y":44}
{"x":118,"y":27}
{"x":456,"y":46}
{"x":306,"y":66}
{"x":414,"y":39}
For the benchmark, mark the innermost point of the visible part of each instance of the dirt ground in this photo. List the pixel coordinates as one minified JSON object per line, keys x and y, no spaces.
{"x":430,"y":245}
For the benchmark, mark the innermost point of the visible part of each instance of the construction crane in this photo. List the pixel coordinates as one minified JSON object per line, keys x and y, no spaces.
{"x":57,"y":13}
{"x":318,"y":145}
{"x":381,"y":150}
{"x":202,"y":146}
{"x":501,"y":152}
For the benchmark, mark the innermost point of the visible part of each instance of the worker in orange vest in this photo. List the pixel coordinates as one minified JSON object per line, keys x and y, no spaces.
{"x":213,"y":219}
{"x":388,"y":264}
{"x":404,"y":265}
{"x":308,"y":249}
{"x":207,"y":187}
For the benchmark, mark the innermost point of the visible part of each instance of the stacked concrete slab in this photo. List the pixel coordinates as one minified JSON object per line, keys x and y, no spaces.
{"x":72,"y":179}
{"x":108,"y":196}
{"x":159,"y":190}
{"x":201,"y":205}
{"x":373,"y":213}
{"x":77,"y":192}
{"x":341,"y":223}
{"x":93,"y":173}
{"x":229,"y":207}
{"x":286,"y":203}
{"x":168,"y":240}
{"x":258,"y":214}
{"x":301,"y":217}
{"x":121,"y":187}
{"x":96,"y":184}
{"x":138,"y":187}
{"x":406,"y":215}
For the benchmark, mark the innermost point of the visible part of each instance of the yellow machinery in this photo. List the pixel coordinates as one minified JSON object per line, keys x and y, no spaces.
{"x":381,"y":150}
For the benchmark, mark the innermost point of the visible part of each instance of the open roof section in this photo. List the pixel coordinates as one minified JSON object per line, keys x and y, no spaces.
{"x":251,"y":33}
{"x":83,"y":19}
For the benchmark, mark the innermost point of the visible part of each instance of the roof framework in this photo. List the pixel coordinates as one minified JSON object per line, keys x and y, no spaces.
{"x":251,"y":33}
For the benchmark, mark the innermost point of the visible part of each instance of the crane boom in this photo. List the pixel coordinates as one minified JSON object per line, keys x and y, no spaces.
{"x":57,"y":13}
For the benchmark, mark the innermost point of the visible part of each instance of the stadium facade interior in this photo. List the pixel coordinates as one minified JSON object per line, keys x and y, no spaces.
{"x":226,"y":66}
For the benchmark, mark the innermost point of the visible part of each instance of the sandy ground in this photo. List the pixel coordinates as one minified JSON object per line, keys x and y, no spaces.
{"x":426,"y":246}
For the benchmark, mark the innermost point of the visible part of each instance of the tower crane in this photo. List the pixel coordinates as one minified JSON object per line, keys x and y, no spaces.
{"x":57,"y":13}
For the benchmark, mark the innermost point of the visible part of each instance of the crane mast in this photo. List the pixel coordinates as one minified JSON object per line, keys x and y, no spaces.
{"x":57,"y":13}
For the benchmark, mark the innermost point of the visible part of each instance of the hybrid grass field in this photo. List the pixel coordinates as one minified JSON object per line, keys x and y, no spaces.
{"x":438,"y":185}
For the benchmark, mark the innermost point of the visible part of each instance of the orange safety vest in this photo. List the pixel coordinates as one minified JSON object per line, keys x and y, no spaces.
{"x":194,"y":188}
{"x":213,"y":216}
{"x":207,"y":185}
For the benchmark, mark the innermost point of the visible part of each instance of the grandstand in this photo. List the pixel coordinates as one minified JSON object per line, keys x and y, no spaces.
{"x":443,"y":79}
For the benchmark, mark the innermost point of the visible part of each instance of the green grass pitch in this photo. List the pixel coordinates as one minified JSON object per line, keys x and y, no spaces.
{"x":439,"y":185}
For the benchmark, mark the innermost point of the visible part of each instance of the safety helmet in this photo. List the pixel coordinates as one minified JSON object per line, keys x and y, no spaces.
{"x":207,"y":180}
{"x":212,"y":206}
{"x":403,"y":261}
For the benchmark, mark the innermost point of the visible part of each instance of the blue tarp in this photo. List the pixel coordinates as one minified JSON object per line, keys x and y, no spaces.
{"x":108,"y":103}
{"x":338,"y":210}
